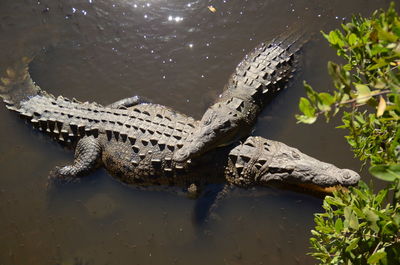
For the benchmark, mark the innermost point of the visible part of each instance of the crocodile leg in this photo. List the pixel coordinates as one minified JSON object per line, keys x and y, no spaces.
{"x":127,"y":102}
{"x":87,"y":158}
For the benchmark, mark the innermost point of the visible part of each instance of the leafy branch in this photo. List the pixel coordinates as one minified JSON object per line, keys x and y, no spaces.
{"x":360,"y":227}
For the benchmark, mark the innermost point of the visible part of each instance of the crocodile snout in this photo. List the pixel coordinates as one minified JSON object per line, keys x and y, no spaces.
{"x":349,"y":177}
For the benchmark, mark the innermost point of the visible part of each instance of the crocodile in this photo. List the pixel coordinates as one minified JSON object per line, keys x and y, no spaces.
{"x":135,"y":141}
{"x":257,"y":78}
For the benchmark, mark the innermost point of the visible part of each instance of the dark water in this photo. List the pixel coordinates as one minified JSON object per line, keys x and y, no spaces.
{"x":177,"y":53}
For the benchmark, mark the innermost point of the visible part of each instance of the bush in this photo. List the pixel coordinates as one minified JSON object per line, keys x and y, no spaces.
{"x":360,"y":227}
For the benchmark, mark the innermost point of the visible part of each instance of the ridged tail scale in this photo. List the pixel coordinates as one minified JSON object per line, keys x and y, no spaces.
{"x":266,"y":70}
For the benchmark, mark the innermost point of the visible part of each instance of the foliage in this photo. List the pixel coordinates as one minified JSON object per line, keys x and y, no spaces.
{"x":357,"y":228}
{"x":370,"y":80}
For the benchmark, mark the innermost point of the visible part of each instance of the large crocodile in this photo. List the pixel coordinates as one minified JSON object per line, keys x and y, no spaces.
{"x":136,"y":141}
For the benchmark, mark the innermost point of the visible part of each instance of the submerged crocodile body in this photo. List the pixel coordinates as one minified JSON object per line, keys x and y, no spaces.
{"x":136,"y":142}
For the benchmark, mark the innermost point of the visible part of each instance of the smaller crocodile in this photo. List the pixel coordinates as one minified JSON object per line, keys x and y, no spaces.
{"x":258,"y":78}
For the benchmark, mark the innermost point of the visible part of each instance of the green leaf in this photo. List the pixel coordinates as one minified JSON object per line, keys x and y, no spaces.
{"x":377,"y":256}
{"x":372,"y":218}
{"x":306,"y":108}
{"x":380,"y":64}
{"x":353,"y":39}
{"x":386,"y":172}
{"x":387,"y":36}
{"x":325,"y":101}
{"x":347,"y":67}
{"x":334,"y":201}
{"x":352,"y":244}
{"x":338,"y":225}
{"x":363,"y":93}
{"x":351,"y":218}
{"x":305,"y":119}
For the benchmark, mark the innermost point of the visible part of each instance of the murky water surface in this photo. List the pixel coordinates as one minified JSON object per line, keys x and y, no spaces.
{"x":177,"y":53}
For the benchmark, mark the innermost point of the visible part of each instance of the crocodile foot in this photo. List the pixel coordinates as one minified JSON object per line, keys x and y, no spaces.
{"x":62,"y":175}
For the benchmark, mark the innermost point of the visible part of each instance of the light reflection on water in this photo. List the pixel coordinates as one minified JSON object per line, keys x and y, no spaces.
{"x":176,"y":53}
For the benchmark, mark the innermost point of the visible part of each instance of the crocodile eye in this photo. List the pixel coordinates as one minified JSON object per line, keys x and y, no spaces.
{"x":208,"y":121}
{"x":295,"y":155}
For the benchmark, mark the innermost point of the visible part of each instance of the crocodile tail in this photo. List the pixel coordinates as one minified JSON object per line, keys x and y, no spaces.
{"x":269,"y":67}
{"x":17,"y":85}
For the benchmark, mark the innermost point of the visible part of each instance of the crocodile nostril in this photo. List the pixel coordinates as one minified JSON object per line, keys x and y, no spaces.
{"x":346,"y":175}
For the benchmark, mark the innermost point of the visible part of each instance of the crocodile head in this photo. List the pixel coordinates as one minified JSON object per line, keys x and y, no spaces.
{"x":260,"y":162}
{"x":215,"y":129}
